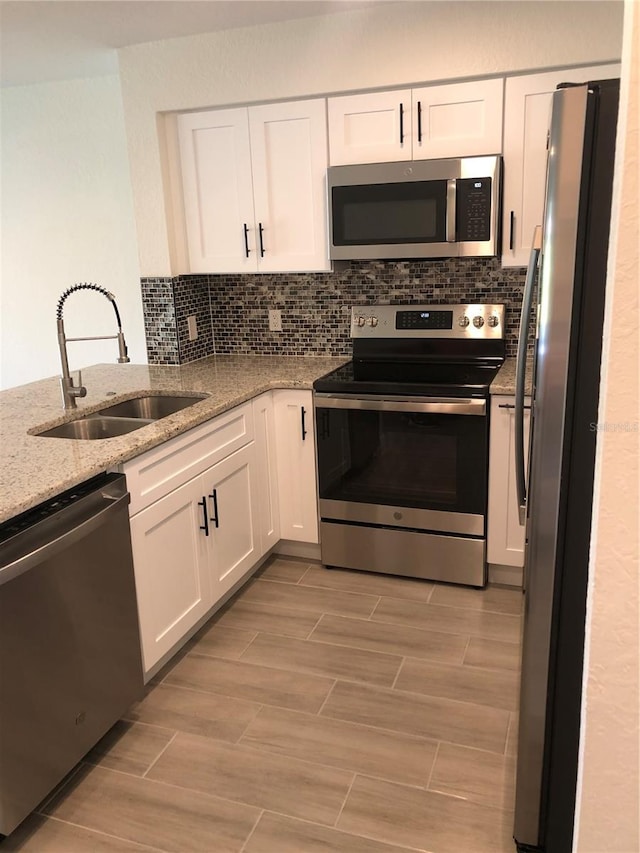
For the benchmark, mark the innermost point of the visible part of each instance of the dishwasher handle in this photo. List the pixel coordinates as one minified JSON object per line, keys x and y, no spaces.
{"x":55,"y":545}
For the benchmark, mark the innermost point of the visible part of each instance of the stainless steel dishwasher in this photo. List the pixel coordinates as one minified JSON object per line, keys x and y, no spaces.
{"x":70,"y":661}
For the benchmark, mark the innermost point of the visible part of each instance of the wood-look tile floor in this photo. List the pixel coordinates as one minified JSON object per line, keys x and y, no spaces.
{"x":321,"y":710}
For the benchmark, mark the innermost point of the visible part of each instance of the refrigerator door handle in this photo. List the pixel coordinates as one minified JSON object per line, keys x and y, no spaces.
{"x":521,"y":366}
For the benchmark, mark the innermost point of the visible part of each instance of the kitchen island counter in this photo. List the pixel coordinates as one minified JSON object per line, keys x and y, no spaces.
{"x":36,"y":468}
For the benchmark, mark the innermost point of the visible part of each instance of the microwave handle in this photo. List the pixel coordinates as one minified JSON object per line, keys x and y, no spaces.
{"x":451,"y":211}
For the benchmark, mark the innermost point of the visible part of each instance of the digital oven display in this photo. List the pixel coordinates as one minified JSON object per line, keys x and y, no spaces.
{"x":424,"y":319}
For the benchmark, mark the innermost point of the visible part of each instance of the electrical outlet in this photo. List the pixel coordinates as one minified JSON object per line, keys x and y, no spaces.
{"x":192,"y":326}
{"x":275,"y":320}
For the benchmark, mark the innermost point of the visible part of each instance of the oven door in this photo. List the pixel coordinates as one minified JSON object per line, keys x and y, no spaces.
{"x":419,"y":464}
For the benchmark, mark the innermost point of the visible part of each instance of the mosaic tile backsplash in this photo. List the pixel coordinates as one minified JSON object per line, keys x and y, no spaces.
{"x":232,"y":310}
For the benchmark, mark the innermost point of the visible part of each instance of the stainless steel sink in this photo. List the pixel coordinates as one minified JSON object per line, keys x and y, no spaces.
{"x":121,"y":418}
{"x":150,"y":407}
{"x":94,"y":427}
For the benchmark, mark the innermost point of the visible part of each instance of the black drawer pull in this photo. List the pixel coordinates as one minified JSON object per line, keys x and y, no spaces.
{"x":510,"y":406}
{"x":304,"y":429}
{"x":205,"y":526}
{"x":214,"y":498}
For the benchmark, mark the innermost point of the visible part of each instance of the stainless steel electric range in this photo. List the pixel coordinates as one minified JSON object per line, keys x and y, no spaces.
{"x":402,"y":437}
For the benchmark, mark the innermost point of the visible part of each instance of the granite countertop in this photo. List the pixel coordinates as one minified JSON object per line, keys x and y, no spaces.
{"x":35,"y":468}
{"x":505,"y":381}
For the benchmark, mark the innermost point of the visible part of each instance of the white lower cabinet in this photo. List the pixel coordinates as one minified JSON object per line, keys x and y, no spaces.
{"x":296,"y":465}
{"x":266,"y":472}
{"x":170,"y":557}
{"x":505,"y":535}
{"x":190,"y":547}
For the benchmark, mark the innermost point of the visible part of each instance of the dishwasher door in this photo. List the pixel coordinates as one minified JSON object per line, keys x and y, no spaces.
{"x":70,"y":660}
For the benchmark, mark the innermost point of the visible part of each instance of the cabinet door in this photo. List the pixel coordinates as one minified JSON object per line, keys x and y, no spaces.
{"x":296,"y":460}
{"x":458,"y":120}
{"x":266,"y":472}
{"x":218,"y":195}
{"x":505,"y":535}
{"x":171,"y":569}
{"x":233,"y":518}
{"x":289,"y":161}
{"x":526,"y":123}
{"x":368,"y":129}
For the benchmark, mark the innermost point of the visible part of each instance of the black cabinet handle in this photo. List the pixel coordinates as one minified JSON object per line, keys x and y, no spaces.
{"x":419,"y":122}
{"x":401,"y":125}
{"x":304,"y":429}
{"x":510,"y":406}
{"x":246,"y":241}
{"x":260,"y":230}
{"x":512,"y":220}
{"x":214,"y":498}
{"x":205,"y":526}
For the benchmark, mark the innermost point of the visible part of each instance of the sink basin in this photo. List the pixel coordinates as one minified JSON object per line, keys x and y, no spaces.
{"x":151,"y":407}
{"x":94,"y":427}
{"x":121,"y":418}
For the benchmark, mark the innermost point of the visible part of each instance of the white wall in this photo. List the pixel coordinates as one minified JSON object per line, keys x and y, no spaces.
{"x":66,"y":216}
{"x":387,"y":45}
{"x":609,"y":791}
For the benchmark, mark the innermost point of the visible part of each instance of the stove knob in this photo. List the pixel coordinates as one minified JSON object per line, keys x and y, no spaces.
{"x":493,"y":321}
{"x":358,"y":321}
{"x":478,"y":321}
{"x":463,"y":321}
{"x":372,"y":321}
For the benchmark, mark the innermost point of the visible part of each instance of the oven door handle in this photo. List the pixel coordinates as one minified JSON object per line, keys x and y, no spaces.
{"x":431,"y":406}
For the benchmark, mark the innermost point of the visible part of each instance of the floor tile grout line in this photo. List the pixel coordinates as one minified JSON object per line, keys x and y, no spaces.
{"x":253,"y":829}
{"x":466,"y":649}
{"x":160,"y":754}
{"x":395,"y":680}
{"x":314,"y":627}
{"x":142,"y":844}
{"x":326,"y":698}
{"x":433,"y":766}
{"x":344,"y":802}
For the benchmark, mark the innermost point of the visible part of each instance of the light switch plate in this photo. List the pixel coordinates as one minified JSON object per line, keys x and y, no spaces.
{"x":275,"y":320}
{"x":192,"y":326}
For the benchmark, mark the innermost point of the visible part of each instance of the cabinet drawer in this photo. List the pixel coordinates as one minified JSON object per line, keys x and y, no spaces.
{"x":159,"y":471}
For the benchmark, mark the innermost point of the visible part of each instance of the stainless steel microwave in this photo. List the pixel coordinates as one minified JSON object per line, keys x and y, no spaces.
{"x":416,"y":209}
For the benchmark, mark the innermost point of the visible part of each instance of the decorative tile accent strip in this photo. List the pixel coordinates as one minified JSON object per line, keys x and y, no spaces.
{"x":232,"y":310}
{"x":160,"y":320}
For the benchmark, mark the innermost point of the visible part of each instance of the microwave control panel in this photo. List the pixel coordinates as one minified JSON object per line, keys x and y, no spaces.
{"x":473,"y":209}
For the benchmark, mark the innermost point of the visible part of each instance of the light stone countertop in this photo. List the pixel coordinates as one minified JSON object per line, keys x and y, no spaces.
{"x":505,"y":381}
{"x":34,"y":468}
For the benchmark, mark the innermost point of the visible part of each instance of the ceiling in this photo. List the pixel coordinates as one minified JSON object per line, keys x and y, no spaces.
{"x":46,"y":40}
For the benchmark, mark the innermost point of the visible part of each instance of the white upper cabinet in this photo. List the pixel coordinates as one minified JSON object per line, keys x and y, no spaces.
{"x":454,"y":120}
{"x":527,"y":115}
{"x":254,"y":188}
{"x":289,"y":163}
{"x":458,"y":120}
{"x":218,"y":192}
{"x":370,"y":128}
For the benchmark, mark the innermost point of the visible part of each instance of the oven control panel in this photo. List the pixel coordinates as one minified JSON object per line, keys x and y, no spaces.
{"x":428,"y":321}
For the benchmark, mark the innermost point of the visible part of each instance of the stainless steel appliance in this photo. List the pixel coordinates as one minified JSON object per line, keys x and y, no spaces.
{"x":419,"y":209}
{"x":558,"y":499}
{"x":402,"y":441}
{"x":70,"y":660}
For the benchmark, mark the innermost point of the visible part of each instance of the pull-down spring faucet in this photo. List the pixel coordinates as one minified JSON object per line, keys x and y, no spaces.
{"x":69,"y":390}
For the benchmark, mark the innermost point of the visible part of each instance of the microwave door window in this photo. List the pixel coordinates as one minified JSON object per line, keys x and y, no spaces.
{"x":386,"y":214}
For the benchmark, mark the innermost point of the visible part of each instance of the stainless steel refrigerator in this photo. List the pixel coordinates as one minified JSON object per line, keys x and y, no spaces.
{"x":570,"y":271}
